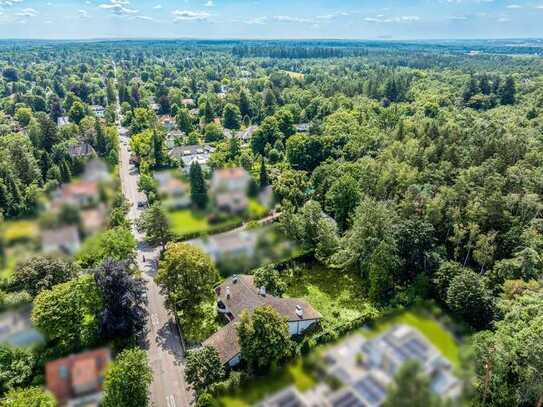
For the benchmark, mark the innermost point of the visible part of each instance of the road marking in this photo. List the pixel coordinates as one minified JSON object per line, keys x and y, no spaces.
{"x":170,"y":401}
{"x":155,"y":321}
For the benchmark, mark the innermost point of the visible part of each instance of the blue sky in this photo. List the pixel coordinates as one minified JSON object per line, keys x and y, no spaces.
{"x":356,"y":19}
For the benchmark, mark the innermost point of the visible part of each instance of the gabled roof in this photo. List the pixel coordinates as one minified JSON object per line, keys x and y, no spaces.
{"x":244,"y":296}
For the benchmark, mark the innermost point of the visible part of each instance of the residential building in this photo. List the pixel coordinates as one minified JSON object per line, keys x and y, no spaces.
{"x":77,"y":379}
{"x":98,"y":111}
{"x":78,"y":193}
{"x":96,"y":171}
{"x":229,"y":188}
{"x":174,"y":192}
{"x":93,"y":219}
{"x":302,"y":127}
{"x":247,"y":134}
{"x":167,"y":121}
{"x":63,"y":121}
{"x":233,"y":244}
{"x":186,"y":155}
{"x":238,"y":294}
{"x":63,"y":240}
{"x":173,"y":138}
{"x":81,"y":150}
{"x":16,"y":327}
{"x":365,"y":368}
{"x":187,"y":102}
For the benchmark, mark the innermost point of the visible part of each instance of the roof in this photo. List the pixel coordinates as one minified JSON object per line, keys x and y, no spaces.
{"x":230,"y":173}
{"x":225,"y":341}
{"x":67,"y":376}
{"x":80,"y":150}
{"x":79,"y":188}
{"x":61,"y":236}
{"x":244,"y":296}
{"x":187,"y":150}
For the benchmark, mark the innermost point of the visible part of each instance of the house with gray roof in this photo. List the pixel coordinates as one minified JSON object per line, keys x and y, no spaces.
{"x":238,"y":294}
{"x":188,"y":154}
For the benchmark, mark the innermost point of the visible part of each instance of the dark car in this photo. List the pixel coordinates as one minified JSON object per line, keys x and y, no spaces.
{"x":142,"y":204}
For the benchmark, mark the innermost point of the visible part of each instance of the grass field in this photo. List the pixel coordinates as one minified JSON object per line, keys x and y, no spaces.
{"x":186,"y":221}
{"x":20,"y":230}
{"x":336,"y":295}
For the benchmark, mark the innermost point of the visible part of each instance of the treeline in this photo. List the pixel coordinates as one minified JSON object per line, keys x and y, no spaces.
{"x":296,"y":52}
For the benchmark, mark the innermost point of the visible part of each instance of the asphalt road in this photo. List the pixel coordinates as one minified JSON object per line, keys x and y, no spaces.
{"x":165,"y":349}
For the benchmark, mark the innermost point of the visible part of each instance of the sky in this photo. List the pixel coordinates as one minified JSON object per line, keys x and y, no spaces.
{"x":271,"y":19}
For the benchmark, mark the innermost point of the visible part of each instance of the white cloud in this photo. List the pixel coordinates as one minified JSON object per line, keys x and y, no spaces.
{"x":209,"y":3}
{"x":185,"y":15}
{"x":118,"y":7}
{"x":27,"y":12}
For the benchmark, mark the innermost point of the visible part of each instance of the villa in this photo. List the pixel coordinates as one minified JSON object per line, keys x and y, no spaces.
{"x":366,"y":367}
{"x":189,"y":154}
{"x":238,"y":294}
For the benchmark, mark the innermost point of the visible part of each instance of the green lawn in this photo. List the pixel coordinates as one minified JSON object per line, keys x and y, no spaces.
{"x":20,"y":230}
{"x":258,"y":389}
{"x":186,"y":221}
{"x":256,"y":210}
{"x":335,"y":294}
{"x":427,"y":326}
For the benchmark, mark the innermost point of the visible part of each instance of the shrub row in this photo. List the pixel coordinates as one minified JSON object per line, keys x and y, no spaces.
{"x":223,"y":227}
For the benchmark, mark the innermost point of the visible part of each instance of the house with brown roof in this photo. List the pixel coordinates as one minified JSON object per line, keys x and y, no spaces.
{"x":82,"y":194}
{"x":77,"y":379}
{"x":238,"y":294}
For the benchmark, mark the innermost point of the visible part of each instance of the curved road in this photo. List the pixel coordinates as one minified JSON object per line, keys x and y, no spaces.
{"x":164,"y":345}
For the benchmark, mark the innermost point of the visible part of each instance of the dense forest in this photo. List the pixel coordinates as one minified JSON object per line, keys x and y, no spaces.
{"x":421,"y":169}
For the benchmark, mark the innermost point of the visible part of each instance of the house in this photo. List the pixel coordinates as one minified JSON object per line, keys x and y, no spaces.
{"x":154,"y":106}
{"x":93,"y":219}
{"x":247,"y":134}
{"x":78,"y":193}
{"x":77,"y":380}
{"x":63,"y":121}
{"x":230,"y":180}
{"x":96,"y":171}
{"x":187,"y":102}
{"x":194,"y":112}
{"x":229,"y":189}
{"x":238,"y":294}
{"x":174,"y":192}
{"x":63,"y":240}
{"x":98,"y":111}
{"x":233,"y":244}
{"x":167,"y":121}
{"x":173,"y":138}
{"x":365,"y":369}
{"x":186,"y":155}
{"x":81,"y":150}
{"x":16,"y":328}
{"x":302,"y":127}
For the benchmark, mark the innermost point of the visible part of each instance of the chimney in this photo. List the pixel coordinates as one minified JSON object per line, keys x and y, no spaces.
{"x":262,"y":291}
{"x":299,"y":311}
{"x":227,"y":293}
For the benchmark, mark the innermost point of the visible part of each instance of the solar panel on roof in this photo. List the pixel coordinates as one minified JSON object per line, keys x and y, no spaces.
{"x":347,"y":399}
{"x":370,"y":390}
